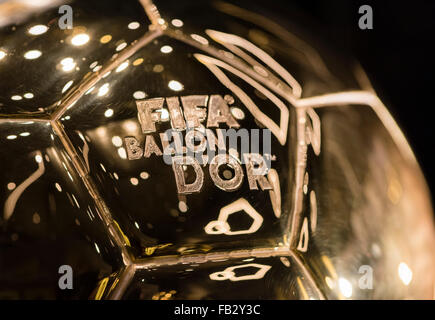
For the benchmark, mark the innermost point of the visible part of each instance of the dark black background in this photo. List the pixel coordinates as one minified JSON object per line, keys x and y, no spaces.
{"x":398,"y":55}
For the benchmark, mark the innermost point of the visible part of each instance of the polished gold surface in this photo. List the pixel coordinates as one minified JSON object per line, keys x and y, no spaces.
{"x":86,"y":182}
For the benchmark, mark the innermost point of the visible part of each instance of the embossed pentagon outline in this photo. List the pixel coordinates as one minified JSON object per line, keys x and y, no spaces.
{"x":221,"y":225}
{"x":229,"y":274}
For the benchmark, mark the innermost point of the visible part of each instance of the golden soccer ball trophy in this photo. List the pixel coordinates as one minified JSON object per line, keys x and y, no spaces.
{"x":198,"y":150}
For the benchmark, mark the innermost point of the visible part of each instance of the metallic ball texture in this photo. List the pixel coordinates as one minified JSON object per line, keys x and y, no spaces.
{"x":343,"y":211}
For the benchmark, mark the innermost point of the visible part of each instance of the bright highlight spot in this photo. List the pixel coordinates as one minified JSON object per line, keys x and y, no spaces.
{"x":67,"y":86}
{"x":32,"y":54}
{"x":122,"y":153}
{"x":103,"y":90}
{"x":144,"y":175}
{"x":38,"y":29}
{"x":122,"y":66}
{"x":38,"y":158}
{"x":405,"y":273}
{"x":28,"y":95}
{"x":17,"y":98}
{"x":200,"y":39}
{"x":58,"y":187}
{"x":11,"y":137}
{"x":164,"y":114}
{"x":2,"y":54}
{"x":329,"y":282}
{"x":68,"y":64}
{"x":117,"y":141}
{"x":133,"y":25}
{"x":106,"y":38}
{"x":80,"y":39}
{"x":139,"y":95}
{"x":134,"y":181}
{"x":108,"y":113}
{"x":97,"y":68}
{"x":121,"y":46}
{"x":90,"y":90}
{"x":182,"y":206}
{"x":345,"y":287}
{"x":175,"y":85}
{"x":137,"y":62}
{"x":177,"y":23}
{"x":237,"y":113}
{"x":166,"y":49}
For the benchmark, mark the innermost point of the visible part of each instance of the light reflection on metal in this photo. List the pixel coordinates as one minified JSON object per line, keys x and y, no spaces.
{"x":405,"y":273}
{"x":237,"y":113}
{"x":200,"y":39}
{"x":275,"y":192}
{"x":67,"y":86}
{"x":144,"y":175}
{"x":285,"y":261}
{"x":68,"y":64}
{"x":38,"y":30}
{"x":117,"y":141}
{"x":121,"y":46}
{"x":139,"y":95}
{"x":138,"y":62}
{"x":108,"y":113}
{"x":177,"y":23}
{"x":32,"y":54}
{"x":122,"y":66}
{"x":105,"y":39}
{"x":302,"y":289}
{"x":104,"y":89}
{"x":80,"y":39}
{"x":175,"y":85}
{"x":133,"y":25}
{"x":122,"y":153}
{"x":345,"y":287}
{"x":313,"y":210}
{"x":11,"y":186}
{"x":12,"y":199}
{"x":166,"y":49}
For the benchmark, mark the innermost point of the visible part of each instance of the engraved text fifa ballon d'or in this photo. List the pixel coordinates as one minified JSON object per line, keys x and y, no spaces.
{"x":198,"y":150}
